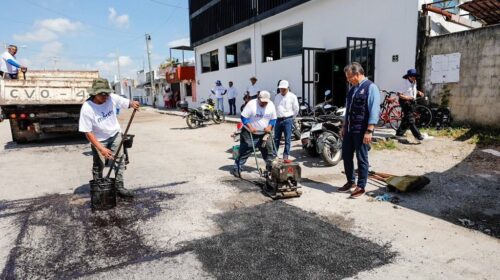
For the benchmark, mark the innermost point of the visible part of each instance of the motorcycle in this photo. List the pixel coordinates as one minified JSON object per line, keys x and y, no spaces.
{"x":321,"y":136}
{"x":206,"y":112}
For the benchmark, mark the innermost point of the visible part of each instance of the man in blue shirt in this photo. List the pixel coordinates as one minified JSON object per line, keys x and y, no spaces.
{"x":362,"y":113}
{"x":9,"y":65}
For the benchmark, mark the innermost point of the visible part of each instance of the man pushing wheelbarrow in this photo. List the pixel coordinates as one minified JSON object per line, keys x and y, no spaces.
{"x":99,"y":123}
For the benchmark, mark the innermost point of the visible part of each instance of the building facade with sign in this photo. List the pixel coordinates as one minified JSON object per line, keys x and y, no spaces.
{"x":235,"y":40}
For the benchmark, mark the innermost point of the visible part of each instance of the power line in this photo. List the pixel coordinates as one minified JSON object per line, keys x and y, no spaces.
{"x":167,"y":4}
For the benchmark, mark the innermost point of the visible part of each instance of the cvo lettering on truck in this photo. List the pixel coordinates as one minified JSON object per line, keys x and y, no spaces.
{"x":44,"y":93}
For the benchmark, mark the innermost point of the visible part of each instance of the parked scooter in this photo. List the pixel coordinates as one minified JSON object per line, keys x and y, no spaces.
{"x":321,"y":136}
{"x":206,"y":112}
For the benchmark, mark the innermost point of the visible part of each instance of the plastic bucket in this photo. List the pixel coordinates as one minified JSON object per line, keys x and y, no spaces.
{"x":102,"y":194}
{"x":236,"y":151}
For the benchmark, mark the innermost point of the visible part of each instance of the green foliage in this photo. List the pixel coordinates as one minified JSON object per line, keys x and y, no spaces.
{"x":482,"y":136}
{"x":384,"y":145}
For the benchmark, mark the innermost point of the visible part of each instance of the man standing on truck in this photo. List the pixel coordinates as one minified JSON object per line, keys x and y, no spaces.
{"x":9,"y":66}
{"x":99,"y":123}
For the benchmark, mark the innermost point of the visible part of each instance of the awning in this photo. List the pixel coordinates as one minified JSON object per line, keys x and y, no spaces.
{"x":487,"y":11}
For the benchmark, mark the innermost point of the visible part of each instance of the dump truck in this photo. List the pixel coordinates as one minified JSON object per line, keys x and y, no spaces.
{"x":44,"y":103}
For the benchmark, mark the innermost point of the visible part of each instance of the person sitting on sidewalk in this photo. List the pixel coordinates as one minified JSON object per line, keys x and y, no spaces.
{"x":259,"y":118}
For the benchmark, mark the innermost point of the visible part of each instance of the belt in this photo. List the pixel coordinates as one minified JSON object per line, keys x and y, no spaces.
{"x":285,"y":118}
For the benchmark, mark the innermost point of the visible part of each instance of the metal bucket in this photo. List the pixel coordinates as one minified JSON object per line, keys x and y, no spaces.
{"x":102,"y":194}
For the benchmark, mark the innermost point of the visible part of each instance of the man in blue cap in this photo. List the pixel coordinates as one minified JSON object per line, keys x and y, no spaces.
{"x":407,"y":100}
{"x":219,"y":91}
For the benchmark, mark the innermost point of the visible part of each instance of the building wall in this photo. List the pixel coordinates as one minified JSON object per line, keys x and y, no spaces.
{"x":326,"y":24}
{"x":439,"y":26}
{"x":475,"y":98}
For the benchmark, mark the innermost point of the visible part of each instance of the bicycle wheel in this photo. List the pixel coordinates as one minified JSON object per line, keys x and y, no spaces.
{"x":395,"y":117}
{"x":423,"y":116}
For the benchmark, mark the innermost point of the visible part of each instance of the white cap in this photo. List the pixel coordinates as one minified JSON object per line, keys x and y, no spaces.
{"x":283,"y":84}
{"x":264,"y":96}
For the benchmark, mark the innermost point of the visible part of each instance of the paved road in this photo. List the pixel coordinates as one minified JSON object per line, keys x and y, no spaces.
{"x":192,"y":220}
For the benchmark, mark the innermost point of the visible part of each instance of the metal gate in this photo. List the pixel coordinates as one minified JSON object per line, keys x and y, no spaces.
{"x":362,"y":50}
{"x":309,"y":75}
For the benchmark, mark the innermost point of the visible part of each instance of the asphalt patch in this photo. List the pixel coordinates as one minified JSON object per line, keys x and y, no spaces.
{"x":62,"y":238}
{"x":277,"y":241}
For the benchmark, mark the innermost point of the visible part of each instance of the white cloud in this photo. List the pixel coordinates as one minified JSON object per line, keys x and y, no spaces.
{"x":109,"y":68}
{"x":120,"y":21}
{"x":49,"y":30}
{"x":179,"y":42}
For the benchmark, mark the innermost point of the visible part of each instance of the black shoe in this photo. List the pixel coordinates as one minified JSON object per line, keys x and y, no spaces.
{"x":236,"y":172}
{"x":124,"y":193}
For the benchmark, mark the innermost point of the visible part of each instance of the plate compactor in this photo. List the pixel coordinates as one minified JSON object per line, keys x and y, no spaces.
{"x":282,"y":178}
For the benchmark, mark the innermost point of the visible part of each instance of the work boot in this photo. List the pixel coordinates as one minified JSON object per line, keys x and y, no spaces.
{"x":124,"y":193}
{"x":236,"y":172}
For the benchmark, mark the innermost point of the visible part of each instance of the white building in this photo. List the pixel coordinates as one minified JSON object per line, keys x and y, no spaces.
{"x":260,"y":38}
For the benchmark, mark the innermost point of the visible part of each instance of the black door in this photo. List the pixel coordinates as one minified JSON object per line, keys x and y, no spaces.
{"x":362,"y":50}
{"x":323,"y":76}
{"x":309,"y":73}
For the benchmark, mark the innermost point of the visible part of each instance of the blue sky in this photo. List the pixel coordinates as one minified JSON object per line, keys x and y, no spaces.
{"x":88,"y":34}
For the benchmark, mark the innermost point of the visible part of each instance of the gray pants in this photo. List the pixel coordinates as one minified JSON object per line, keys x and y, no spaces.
{"x":111,"y":143}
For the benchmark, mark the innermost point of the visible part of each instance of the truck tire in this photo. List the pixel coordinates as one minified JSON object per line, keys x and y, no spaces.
{"x":16,"y":133}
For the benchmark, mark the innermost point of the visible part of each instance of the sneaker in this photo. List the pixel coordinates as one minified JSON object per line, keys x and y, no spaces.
{"x":236,"y":172}
{"x":124,"y":193}
{"x":347,"y":187}
{"x":357,"y":193}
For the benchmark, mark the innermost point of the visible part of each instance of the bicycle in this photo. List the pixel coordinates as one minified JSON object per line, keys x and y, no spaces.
{"x":423,"y":115}
{"x":390,"y":111}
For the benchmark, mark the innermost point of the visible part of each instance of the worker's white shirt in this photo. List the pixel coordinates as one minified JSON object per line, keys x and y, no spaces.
{"x":5,"y":66}
{"x":219,"y":91}
{"x":259,"y":116}
{"x":286,"y":106}
{"x":253,"y":89}
{"x":100,"y":119}
{"x":409,"y":89}
{"x":232,"y":92}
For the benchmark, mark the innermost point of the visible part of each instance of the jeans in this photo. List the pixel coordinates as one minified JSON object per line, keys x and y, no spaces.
{"x":283,"y":126}
{"x":220,"y":104}
{"x":408,"y":120}
{"x":246,"y":148}
{"x":111,"y":143}
{"x":232,"y":106}
{"x":353,"y":142}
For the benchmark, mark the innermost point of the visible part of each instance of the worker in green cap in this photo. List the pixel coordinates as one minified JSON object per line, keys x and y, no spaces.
{"x":101,"y":127}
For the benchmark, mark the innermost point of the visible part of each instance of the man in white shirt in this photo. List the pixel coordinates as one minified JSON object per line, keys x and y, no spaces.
{"x":407,"y":100}
{"x":259,"y":118}
{"x":219,"y":91}
{"x":253,"y":89}
{"x":287,"y":107}
{"x":99,"y":123}
{"x":9,"y":65}
{"x":232,"y":93}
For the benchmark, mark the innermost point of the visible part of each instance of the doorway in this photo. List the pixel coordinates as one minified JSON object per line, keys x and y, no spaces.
{"x":330,"y":76}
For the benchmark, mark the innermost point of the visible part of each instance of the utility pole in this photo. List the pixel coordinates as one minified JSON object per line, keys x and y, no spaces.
{"x":151,"y":73}
{"x":119,"y":72}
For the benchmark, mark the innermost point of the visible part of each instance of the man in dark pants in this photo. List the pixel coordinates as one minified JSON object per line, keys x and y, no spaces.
{"x":259,"y":118}
{"x":101,"y":127}
{"x":407,"y":100}
{"x":232,"y":93}
{"x":362,"y":112}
